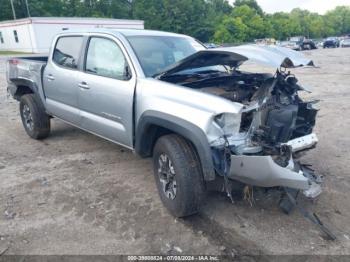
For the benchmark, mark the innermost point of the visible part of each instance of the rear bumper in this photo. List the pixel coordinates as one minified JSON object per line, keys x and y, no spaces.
{"x":262,"y":171}
{"x":11,"y":88}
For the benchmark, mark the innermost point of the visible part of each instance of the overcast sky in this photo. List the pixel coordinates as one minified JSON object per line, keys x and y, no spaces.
{"x":318,"y":6}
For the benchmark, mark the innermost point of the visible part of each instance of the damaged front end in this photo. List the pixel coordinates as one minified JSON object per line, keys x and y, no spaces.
{"x":275,"y":125}
{"x":258,"y":146}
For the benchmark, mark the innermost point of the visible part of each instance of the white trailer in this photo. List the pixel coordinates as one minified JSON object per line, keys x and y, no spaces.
{"x":35,"y":34}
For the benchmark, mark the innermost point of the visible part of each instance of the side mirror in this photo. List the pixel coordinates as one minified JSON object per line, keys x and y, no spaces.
{"x":127,"y":73}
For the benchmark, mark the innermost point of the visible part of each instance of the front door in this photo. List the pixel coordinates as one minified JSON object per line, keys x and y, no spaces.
{"x":106,"y":91}
{"x":60,"y":78}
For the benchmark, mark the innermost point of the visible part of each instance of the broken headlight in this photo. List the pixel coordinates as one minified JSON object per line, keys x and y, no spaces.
{"x":228,"y":122}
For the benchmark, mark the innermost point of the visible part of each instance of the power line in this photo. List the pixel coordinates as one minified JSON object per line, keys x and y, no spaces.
{"x":27,"y":6}
{"x":13,"y":10}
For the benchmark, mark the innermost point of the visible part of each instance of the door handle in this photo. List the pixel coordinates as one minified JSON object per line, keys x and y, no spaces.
{"x":50,"y":77}
{"x":83,"y":85}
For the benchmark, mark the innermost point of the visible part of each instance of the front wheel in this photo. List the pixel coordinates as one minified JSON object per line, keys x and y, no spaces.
{"x":178,"y":175}
{"x":34,"y":119}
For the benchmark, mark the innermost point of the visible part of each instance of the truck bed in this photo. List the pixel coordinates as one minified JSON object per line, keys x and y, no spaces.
{"x":24,"y":70}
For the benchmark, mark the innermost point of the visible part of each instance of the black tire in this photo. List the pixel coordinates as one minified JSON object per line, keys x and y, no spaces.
{"x":37,"y":125}
{"x":188,"y":177}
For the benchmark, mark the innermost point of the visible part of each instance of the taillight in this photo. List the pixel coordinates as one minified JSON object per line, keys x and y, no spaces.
{"x":14,"y":61}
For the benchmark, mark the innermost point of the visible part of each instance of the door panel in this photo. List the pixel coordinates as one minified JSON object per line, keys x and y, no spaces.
{"x":106,"y":92}
{"x":60,"y":79}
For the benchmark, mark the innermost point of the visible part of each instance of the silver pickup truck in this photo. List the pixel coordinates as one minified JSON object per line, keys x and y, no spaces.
{"x":206,"y":123}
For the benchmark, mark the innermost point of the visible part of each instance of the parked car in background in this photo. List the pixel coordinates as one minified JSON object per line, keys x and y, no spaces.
{"x":319,"y":44}
{"x":345,"y":42}
{"x":331,"y":42}
{"x":265,"y":41}
{"x":299,"y":43}
{"x":210,"y":45}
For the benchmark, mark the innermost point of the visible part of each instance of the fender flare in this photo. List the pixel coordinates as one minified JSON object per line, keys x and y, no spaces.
{"x":177,"y":125}
{"x":18,"y":82}
{"x":23,"y":82}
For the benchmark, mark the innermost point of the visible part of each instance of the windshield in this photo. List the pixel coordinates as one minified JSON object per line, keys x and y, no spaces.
{"x":294,"y":39}
{"x":156,"y":53}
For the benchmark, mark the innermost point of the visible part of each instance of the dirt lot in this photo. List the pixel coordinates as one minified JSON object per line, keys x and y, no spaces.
{"x":74,"y":193}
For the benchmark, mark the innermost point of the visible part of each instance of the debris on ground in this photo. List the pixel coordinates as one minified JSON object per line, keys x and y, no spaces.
{"x":3,"y":250}
{"x":9,"y":214}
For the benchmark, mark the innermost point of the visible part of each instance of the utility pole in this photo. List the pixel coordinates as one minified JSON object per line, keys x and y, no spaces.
{"x":27,"y":6}
{"x":13,"y":10}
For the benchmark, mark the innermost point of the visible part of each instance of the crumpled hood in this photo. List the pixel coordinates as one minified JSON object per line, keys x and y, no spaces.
{"x":273,"y":56}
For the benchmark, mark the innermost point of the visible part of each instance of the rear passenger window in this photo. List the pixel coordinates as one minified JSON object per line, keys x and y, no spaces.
{"x":105,"y":58}
{"x":67,"y":51}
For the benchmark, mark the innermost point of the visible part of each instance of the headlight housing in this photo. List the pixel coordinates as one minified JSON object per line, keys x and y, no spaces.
{"x":228,"y":122}
{"x":224,"y":124}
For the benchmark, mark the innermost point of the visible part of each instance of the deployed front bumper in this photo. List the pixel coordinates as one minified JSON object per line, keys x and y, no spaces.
{"x":262,"y":171}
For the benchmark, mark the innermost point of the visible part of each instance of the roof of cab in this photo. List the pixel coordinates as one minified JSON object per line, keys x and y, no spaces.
{"x":125,"y":32}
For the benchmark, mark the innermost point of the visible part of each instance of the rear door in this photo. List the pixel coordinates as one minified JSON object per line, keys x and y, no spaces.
{"x":106,"y":91}
{"x":60,"y":78}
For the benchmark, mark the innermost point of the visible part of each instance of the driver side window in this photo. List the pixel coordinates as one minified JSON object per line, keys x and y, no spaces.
{"x":105,"y":58}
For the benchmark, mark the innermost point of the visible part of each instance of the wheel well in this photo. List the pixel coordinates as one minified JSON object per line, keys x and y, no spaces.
{"x":154,"y":124}
{"x":152,"y":134}
{"x":149,"y":138}
{"x":22,"y":90}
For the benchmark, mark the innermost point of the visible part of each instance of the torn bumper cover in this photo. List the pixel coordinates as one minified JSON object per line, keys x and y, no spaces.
{"x":263,"y":171}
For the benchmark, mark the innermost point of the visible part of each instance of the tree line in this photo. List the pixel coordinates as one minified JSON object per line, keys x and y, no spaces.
{"x":207,"y":20}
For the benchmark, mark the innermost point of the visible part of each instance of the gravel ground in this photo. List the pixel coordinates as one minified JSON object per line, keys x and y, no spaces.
{"x":74,"y":193}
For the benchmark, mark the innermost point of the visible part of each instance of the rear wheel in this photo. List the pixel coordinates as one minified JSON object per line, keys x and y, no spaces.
{"x":34,"y":119}
{"x":178,"y":175}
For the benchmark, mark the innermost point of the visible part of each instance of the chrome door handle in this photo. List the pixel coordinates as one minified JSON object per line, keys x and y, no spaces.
{"x":50,"y":77}
{"x":84,"y":85}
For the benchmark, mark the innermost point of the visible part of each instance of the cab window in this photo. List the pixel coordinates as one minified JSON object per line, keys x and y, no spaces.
{"x":67,"y":51}
{"x":105,"y":58}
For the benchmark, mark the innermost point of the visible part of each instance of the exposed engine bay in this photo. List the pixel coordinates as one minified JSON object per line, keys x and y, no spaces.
{"x":273,"y":112}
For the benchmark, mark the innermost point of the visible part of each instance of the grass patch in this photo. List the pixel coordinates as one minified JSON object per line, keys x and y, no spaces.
{"x":13,"y":53}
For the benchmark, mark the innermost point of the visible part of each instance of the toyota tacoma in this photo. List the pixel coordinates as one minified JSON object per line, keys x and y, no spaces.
{"x":163,"y":95}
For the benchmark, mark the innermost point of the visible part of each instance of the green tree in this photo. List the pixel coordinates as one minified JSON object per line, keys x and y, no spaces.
{"x":245,"y":24}
{"x":5,"y":10}
{"x":283,"y":26}
{"x":251,"y":3}
{"x":181,"y":16}
{"x":231,"y":30}
{"x":204,"y":19}
{"x":337,"y":21}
